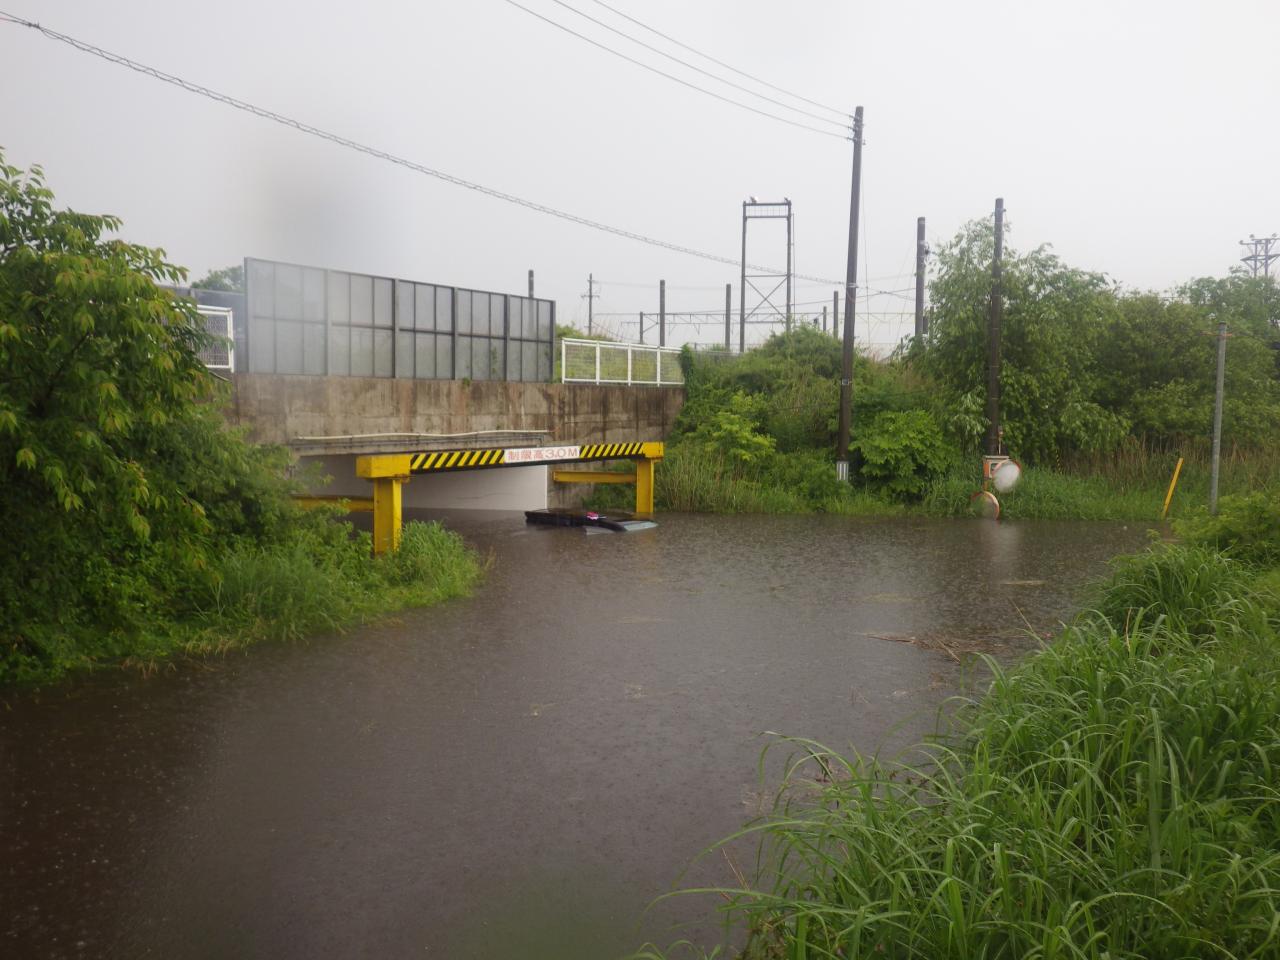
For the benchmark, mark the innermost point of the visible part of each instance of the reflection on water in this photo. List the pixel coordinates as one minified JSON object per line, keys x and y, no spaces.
{"x":515,"y":774}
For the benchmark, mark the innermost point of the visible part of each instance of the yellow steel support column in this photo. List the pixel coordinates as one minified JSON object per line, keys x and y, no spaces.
{"x":386,"y":515}
{"x":387,"y":472}
{"x":644,"y":487}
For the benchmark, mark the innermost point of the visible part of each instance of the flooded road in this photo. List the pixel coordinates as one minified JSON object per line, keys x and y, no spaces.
{"x":517,"y":774}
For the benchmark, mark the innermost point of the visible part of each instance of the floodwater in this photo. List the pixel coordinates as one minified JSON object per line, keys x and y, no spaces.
{"x":515,"y":775}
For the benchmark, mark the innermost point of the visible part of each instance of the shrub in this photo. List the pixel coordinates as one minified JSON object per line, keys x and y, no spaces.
{"x":1246,"y":527}
{"x":901,"y":451}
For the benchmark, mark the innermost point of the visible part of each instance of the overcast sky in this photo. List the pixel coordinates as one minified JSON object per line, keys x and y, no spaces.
{"x":1140,"y":139}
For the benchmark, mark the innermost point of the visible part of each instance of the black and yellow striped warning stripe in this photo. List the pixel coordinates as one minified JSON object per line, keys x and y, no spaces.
{"x":455,"y":460}
{"x":602,"y":451}
{"x":471,"y":459}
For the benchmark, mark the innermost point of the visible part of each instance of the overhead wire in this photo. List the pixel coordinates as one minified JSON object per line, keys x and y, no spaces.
{"x":843,"y":123}
{"x":339,"y":140}
{"x":720,"y":63}
{"x":673,"y":77}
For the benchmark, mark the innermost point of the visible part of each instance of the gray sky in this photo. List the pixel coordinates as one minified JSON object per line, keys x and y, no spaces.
{"x":1139,"y":138}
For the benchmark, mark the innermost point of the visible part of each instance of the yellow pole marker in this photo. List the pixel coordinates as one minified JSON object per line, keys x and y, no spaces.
{"x":644,"y":486}
{"x":1172,"y":484}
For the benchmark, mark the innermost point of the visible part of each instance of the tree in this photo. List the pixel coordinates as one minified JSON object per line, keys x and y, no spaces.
{"x":1054,"y":318}
{"x":114,"y":465}
{"x":230,"y":279}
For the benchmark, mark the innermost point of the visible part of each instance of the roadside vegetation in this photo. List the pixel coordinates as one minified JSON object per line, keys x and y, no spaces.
{"x":1103,"y":390}
{"x":136,"y":526}
{"x":1116,"y":795}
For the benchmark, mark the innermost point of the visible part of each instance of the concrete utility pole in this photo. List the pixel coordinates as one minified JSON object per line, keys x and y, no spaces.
{"x":824,"y":318}
{"x":835,"y":314}
{"x":850,"y":298}
{"x":591,"y":296}
{"x":922,"y":251}
{"x":1217,"y":416}
{"x":1260,"y":257}
{"x":993,"y":338}
{"x":662,"y":313}
{"x":728,"y":317}
{"x":530,"y":284}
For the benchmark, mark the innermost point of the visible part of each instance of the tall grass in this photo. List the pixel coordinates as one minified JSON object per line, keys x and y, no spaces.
{"x":322,"y":579}
{"x":1115,"y":796}
{"x":1128,"y":486}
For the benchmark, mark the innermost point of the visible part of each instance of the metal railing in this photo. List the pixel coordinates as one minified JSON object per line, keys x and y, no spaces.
{"x":634,"y":364}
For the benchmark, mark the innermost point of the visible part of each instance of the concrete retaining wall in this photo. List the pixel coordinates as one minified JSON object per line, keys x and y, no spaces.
{"x":280,"y":408}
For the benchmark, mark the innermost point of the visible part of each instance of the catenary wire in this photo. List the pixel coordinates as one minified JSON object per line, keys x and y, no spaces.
{"x":671,"y":76}
{"x":342,"y":141}
{"x":721,"y":63}
{"x":843,"y":124}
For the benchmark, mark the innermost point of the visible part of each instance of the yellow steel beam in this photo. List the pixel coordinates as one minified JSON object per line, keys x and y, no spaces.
{"x":653,"y":450}
{"x":383,"y":465}
{"x":308,"y":502}
{"x":591,"y":476}
{"x":644,"y":486}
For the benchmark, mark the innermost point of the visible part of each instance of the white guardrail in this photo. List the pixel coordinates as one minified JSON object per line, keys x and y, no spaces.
{"x":604,"y":361}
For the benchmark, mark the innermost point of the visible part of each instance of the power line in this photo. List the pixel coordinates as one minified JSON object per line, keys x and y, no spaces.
{"x":706,"y":73}
{"x":720,"y":63}
{"x":671,"y":76}
{"x":342,"y":141}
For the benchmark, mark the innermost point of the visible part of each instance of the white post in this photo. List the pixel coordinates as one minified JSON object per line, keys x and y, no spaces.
{"x":628,"y":364}
{"x":658,"y":353}
{"x":564,"y":367}
{"x":597,"y":361}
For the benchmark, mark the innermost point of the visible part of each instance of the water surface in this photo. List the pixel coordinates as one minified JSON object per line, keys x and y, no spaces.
{"x":516,"y":774}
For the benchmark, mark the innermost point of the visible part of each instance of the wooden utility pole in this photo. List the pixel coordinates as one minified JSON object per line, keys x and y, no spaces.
{"x":995,"y":317}
{"x":922,"y":250}
{"x":850,"y":298}
{"x":1217,"y":416}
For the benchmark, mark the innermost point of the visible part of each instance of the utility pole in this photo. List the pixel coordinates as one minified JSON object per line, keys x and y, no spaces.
{"x":824,"y":318}
{"x":790,"y":250}
{"x":591,"y":296}
{"x":922,"y":251}
{"x":728,"y":315}
{"x":1259,"y":257}
{"x":1217,"y":416}
{"x":850,"y":298}
{"x":642,"y":326}
{"x":530,"y":284}
{"x":835,"y":314}
{"x":662,"y":313}
{"x":993,"y":337}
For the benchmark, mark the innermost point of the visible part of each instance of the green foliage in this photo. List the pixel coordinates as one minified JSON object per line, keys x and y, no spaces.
{"x":900,"y":452}
{"x":1115,"y":796}
{"x":732,"y":431}
{"x":229,"y":279}
{"x":1247,"y":528}
{"x":1198,"y":591}
{"x":128,"y":509}
{"x":1084,"y":365}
